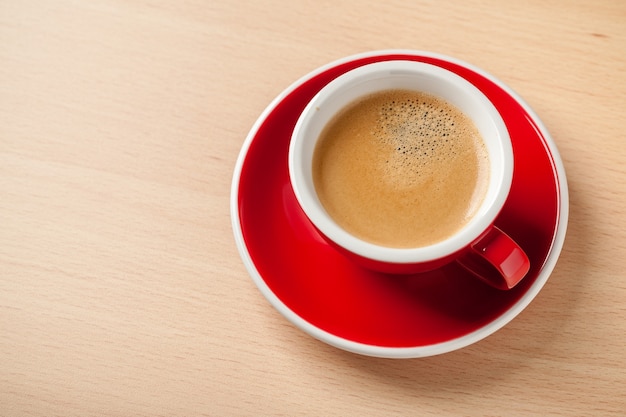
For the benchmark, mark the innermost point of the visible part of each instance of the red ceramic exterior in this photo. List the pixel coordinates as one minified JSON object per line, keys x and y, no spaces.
{"x":496,"y":259}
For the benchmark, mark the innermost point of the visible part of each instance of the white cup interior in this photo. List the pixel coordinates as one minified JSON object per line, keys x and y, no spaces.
{"x":407,"y":75}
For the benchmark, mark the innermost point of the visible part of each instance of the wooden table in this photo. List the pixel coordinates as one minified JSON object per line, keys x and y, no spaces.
{"x":121,"y":288}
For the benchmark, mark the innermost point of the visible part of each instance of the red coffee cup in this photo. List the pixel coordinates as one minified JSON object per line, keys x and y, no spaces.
{"x":479,"y":246}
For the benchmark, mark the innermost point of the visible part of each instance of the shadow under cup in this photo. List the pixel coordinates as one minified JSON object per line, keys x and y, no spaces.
{"x":435,"y":81}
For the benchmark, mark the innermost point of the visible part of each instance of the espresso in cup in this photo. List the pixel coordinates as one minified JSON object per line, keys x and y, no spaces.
{"x":401,"y":168}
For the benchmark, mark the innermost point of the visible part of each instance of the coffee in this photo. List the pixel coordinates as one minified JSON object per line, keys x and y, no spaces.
{"x":401,"y":169}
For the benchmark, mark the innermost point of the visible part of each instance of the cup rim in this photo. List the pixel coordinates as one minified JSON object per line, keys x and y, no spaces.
{"x":305,"y":193}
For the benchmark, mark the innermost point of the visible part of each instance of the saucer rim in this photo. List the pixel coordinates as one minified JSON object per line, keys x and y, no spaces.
{"x":415,"y":351}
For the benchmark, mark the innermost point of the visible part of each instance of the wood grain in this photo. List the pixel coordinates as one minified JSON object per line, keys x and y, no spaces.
{"x":121,"y":290}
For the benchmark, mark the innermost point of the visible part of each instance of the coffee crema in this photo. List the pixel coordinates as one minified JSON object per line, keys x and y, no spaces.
{"x":401,"y":169}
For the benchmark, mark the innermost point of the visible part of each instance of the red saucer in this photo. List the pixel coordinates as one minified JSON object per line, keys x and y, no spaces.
{"x":398,"y":316}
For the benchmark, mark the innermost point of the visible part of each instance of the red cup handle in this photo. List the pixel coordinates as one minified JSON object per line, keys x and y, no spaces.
{"x":496,"y":259}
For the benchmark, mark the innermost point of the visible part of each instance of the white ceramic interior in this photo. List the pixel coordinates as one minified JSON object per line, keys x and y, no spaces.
{"x":412,"y":76}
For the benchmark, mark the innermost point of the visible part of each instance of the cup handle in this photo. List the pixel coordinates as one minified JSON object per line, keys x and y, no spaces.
{"x":496,"y":259}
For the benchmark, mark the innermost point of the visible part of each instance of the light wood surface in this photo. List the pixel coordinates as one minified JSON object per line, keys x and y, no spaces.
{"x":121,"y":289}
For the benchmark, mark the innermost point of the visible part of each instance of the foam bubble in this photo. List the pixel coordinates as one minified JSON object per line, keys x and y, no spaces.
{"x":416,"y":132}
